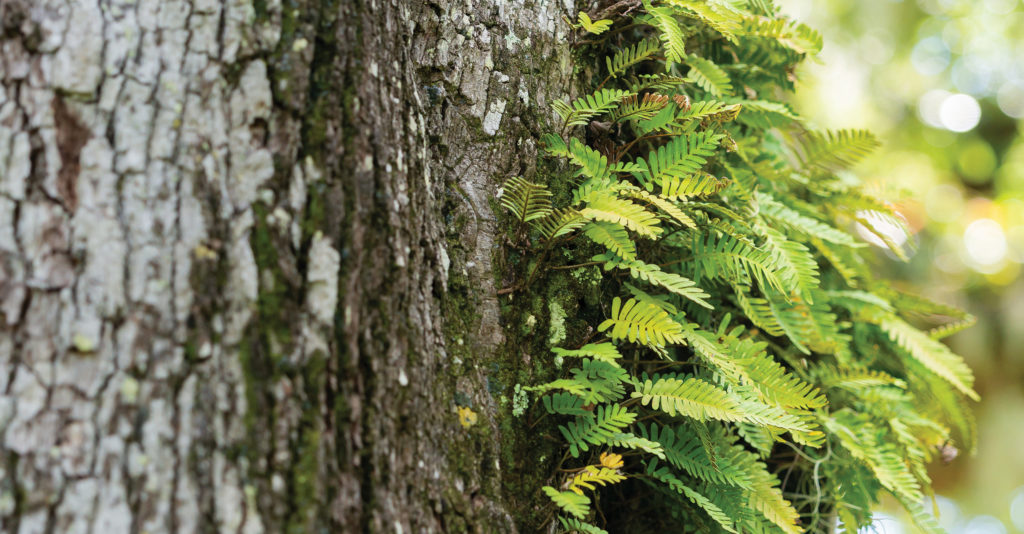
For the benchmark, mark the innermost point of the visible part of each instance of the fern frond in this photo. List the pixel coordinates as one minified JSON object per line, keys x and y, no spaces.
{"x":565,"y":404}
{"x":695,"y":185}
{"x":665,"y":476}
{"x":832,"y":150}
{"x":636,"y":109}
{"x":595,"y":27}
{"x":778,"y":212}
{"x":710,"y":110}
{"x":794,"y":264}
{"x":643,"y":322}
{"x":735,"y":261}
{"x":930,"y":353}
{"x":605,"y":352}
{"x":630,"y":441}
{"x":526,"y":200}
{"x":631,"y":55}
{"x":670,"y":32}
{"x":766,"y":114}
{"x":653,"y":274}
{"x":708,"y":76}
{"x":794,"y":36}
{"x":559,"y":222}
{"x":664,"y":204}
{"x":575,"y":526}
{"x":691,"y":397}
{"x":952,"y":327}
{"x":613,"y":237}
{"x":607,"y":421}
{"x":593,"y":164}
{"x":722,"y":17}
{"x":612,"y":209}
{"x":573,"y":503}
{"x":680,"y":157}
{"x":602,"y":476}
{"x":587,"y":107}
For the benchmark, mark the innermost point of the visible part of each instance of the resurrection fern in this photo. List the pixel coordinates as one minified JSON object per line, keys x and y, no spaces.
{"x":742,"y":370}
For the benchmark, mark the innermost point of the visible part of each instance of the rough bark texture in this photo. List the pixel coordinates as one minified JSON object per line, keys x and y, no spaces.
{"x":246,"y":260}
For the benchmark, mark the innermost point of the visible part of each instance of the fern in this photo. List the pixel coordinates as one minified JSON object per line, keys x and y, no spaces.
{"x":609,"y":208}
{"x":593,"y":476}
{"x":643,"y":322}
{"x":613,"y":237}
{"x":595,"y":27}
{"x":605,"y":352}
{"x":709,"y":76}
{"x":587,"y":107}
{"x":835,"y":150}
{"x":679,"y":158}
{"x":526,"y":200}
{"x":607,"y":422}
{"x":575,"y":526}
{"x":571,"y":502}
{"x":631,"y":55}
{"x":671,"y":33}
{"x":723,"y":230}
{"x":675,"y":283}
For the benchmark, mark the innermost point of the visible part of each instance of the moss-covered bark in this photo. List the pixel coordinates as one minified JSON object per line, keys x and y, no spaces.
{"x":249,"y":261}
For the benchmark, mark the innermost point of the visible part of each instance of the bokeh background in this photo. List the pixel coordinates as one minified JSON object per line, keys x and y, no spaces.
{"x":941,"y":82}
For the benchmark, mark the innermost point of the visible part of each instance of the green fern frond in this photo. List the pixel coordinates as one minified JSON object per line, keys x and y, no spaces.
{"x":595,"y":27}
{"x":526,"y":200}
{"x":670,"y":32}
{"x":572,"y":525}
{"x":681,"y":157}
{"x":566,"y":404}
{"x":952,"y":327}
{"x":633,"y":108}
{"x":930,"y":353}
{"x":559,"y":222}
{"x":632,"y":55}
{"x":766,"y":114}
{"x":831,"y":150}
{"x":605,"y":352}
{"x":613,"y":237}
{"x":708,"y":76}
{"x":593,"y":164}
{"x":691,"y":397}
{"x":665,"y":476}
{"x":573,"y":503}
{"x":790,"y":218}
{"x":794,"y":36}
{"x":643,"y":322}
{"x":794,"y":264}
{"x":734,"y":261}
{"x":695,"y":185}
{"x":631,"y":441}
{"x":653,"y":274}
{"x":721,"y":16}
{"x":663,"y":82}
{"x":664,"y":204}
{"x":612,"y":209}
{"x":710,"y":110}
{"x":585,"y":108}
{"x":607,"y":421}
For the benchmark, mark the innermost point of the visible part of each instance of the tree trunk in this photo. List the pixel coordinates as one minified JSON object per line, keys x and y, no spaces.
{"x":248,"y":262}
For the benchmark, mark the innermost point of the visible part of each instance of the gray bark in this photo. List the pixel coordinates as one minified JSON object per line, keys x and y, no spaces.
{"x":247,"y":258}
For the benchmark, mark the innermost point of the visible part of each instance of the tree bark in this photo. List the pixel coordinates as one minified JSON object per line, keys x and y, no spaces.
{"x":248,"y":258}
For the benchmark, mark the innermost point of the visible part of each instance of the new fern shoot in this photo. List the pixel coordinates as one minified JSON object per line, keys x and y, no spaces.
{"x":750,"y":373}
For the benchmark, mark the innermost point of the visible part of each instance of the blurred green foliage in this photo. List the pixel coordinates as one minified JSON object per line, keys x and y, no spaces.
{"x":942,"y":84}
